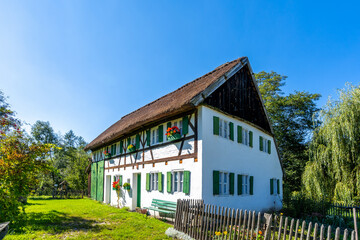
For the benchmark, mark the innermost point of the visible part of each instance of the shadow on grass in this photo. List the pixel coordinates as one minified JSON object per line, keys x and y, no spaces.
{"x":55,"y":222}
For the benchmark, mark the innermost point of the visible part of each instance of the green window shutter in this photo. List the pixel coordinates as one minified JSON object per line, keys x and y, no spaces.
{"x":120,"y":178}
{"x":148,"y":182}
{"x":137,"y":142}
{"x":129,"y":141}
{"x":278,"y":186}
{"x":114,"y":178}
{"x":121,"y":146}
{"x":231,"y":190}
{"x":160,"y":182}
{"x":168,"y":179}
{"x":239,"y":134}
{"x":251,"y":138}
{"x":161,"y":133}
{"x":251,"y":180}
{"x":261,"y":143}
{"x":269,"y":147}
{"x":239,"y":184}
{"x":148,"y":136}
{"x":168,"y":125}
{"x":216,"y":182}
{"x":231,"y":126}
{"x":271,"y":187}
{"x":185,"y":125}
{"x":216,"y":125}
{"x":186,"y":187}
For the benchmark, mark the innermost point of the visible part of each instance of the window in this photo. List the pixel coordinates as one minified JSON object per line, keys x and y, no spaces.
{"x":154,"y":181}
{"x":224,"y":128}
{"x":265,"y":145}
{"x":179,"y":125}
{"x":177,"y":181}
{"x":245,"y":138}
{"x":245,"y":184}
{"x":274,"y":186}
{"x":155,"y":136}
{"x":223,"y":183}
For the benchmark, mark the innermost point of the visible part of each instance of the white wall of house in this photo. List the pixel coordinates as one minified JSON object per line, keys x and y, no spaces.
{"x":128,"y":175}
{"x":223,"y":154}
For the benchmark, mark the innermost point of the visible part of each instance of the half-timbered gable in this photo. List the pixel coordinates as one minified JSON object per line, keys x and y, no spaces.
{"x":223,"y":150}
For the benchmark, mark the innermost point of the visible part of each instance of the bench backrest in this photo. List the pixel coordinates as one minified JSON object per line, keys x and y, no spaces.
{"x":163,"y":204}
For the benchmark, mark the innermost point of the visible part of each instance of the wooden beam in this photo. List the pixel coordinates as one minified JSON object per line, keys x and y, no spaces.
{"x":168,"y":159}
{"x":154,"y":146}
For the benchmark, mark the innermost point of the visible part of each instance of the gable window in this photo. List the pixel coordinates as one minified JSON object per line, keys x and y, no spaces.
{"x":178,"y":181}
{"x":264,"y":145}
{"x":223,"y":183}
{"x":224,"y":128}
{"x":154,"y":181}
{"x":245,"y":134}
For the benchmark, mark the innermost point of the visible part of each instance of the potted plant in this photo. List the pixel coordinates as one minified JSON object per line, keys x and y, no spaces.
{"x":131,"y":148}
{"x":173,"y":133}
{"x":126,"y":186}
{"x":107,"y":154}
{"x":117,"y":187}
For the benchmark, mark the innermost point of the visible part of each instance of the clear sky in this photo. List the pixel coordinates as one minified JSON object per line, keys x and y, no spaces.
{"x":81,"y":65}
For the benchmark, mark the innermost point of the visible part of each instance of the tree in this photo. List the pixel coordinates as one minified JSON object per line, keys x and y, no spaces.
{"x":333,"y":171}
{"x":291,"y":117}
{"x":21,"y":159}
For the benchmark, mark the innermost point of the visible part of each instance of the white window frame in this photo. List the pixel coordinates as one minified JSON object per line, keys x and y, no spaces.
{"x":154,"y":181}
{"x":245,"y":185}
{"x":245,"y":137}
{"x":224,"y":185}
{"x":177,"y":184}
{"x":265,"y":145}
{"x":155,"y":136}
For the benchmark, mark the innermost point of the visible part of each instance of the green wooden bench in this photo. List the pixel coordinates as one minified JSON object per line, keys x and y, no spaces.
{"x":166,"y":207}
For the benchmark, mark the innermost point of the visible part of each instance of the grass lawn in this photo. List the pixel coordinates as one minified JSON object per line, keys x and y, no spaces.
{"x":85,"y":219}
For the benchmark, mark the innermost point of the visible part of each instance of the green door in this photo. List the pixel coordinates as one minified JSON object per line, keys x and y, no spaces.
{"x":100,"y":181}
{"x":93,"y":180}
{"x":138,"y":191}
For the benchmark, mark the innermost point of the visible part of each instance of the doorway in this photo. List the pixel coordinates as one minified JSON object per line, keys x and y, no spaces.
{"x":138,"y":190}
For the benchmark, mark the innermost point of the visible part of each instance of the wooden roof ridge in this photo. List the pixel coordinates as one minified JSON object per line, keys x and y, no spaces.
{"x":163,"y":106}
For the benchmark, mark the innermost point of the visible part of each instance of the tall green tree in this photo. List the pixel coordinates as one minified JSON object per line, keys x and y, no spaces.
{"x":21,"y":160}
{"x":333,"y":171}
{"x":291,"y":116}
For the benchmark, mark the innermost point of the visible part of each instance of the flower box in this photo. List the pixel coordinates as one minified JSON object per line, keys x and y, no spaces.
{"x":173,"y":137}
{"x":107,"y":154}
{"x":131,"y":148}
{"x":173,"y":133}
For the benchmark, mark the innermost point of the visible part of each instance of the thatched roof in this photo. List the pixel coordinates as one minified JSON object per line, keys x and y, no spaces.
{"x":171,"y":104}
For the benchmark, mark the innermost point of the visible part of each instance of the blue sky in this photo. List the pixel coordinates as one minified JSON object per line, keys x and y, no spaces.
{"x":81,"y":65}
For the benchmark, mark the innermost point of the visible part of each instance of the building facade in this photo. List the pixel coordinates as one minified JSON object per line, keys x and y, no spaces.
{"x":224,"y":151}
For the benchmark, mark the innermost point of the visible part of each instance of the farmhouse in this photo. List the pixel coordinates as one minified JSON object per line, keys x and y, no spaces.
{"x":210,"y":139}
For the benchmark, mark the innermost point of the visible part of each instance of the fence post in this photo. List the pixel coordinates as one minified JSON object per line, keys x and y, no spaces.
{"x":355,"y":224}
{"x":268,"y":227}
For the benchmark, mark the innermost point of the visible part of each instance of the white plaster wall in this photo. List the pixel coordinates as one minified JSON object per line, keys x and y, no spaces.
{"x":129,"y":198}
{"x":223,"y":154}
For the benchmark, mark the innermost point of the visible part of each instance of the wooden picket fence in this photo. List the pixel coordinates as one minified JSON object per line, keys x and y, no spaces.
{"x":204,"y":221}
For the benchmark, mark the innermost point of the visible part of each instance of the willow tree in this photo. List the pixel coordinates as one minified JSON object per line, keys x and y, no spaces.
{"x":333,"y":171}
